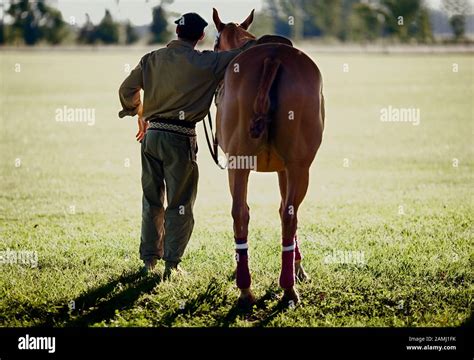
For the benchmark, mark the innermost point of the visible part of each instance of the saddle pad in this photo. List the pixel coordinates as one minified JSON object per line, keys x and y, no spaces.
{"x":265,"y":39}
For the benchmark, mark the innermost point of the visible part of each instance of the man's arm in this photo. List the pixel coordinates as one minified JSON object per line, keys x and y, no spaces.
{"x":225,"y":57}
{"x":129,"y":92}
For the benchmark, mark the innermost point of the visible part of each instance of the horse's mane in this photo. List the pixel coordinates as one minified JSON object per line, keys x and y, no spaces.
{"x":243,"y":34}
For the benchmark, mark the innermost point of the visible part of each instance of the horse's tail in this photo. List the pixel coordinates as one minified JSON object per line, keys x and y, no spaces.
{"x":261,"y":105}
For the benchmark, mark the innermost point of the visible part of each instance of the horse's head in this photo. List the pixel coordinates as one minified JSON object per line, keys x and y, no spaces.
{"x":231,"y":35}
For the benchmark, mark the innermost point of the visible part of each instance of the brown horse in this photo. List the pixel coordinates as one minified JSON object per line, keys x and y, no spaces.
{"x":271,"y":107}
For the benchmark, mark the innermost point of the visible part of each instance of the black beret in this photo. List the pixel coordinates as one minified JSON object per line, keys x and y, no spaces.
{"x":191,"y":22}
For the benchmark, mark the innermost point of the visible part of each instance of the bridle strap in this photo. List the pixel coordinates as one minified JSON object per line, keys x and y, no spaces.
{"x":212,"y":139}
{"x":216,"y":43}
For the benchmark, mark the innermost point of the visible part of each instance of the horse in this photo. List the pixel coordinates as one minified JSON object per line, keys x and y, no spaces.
{"x":271,"y":107}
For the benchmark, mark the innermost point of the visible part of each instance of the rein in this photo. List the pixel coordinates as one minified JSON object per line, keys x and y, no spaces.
{"x":212,"y":140}
{"x":216,"y":42}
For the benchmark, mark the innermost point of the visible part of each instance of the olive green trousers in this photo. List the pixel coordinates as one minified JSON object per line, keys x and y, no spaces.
{"x":168,"y":167}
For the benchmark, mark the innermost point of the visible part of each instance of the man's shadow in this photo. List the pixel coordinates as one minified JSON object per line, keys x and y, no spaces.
{"x":101,"y":303}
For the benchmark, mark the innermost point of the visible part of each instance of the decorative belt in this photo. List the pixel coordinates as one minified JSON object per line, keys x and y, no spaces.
{"x":171,"y":125}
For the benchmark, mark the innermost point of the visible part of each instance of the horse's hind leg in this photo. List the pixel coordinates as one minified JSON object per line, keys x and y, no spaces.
{"x":238,"y":181}
{"x":297,"y":178}
{"x":300,"y":273}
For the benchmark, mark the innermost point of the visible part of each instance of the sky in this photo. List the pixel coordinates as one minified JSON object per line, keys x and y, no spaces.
{"x":139,"y":11}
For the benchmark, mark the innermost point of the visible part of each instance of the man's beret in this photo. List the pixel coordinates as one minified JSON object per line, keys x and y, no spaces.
{"x":191,"y":23}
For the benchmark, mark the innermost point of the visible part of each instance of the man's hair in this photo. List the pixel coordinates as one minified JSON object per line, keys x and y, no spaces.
{"x":185,"y":34}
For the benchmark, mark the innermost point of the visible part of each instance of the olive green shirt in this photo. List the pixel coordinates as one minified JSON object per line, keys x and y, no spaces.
{"x":178,"y":82}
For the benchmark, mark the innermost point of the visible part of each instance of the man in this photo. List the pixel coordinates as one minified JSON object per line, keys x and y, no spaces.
{"x":178,"y":83}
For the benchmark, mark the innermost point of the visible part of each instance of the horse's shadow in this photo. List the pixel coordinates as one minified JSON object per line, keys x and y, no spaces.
{"x":214,"y":296}
{"x":101,"y":303}
{"x":260,"y":314}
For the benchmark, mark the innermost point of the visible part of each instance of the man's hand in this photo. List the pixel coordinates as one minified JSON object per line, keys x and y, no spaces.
{"x":142,"y":125}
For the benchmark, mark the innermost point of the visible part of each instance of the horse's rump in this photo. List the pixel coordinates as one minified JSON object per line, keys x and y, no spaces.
{"x":272,"y":101}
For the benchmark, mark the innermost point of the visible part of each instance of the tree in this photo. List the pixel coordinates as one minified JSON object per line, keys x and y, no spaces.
{"x":2,"y":32}
{"x":456,"y":11}
{"x":365,"y":22}
{"x":107,"y":31}
{"x":347,"y":9}
{"x":406,"y":19}
{"x":25,"y":21}
{"x":458,"y":24}
{"x":325,"y":15}
{"x":158,"y":28}
{"x":36,"y":21}
{"x":279,"y":21}
{"x":56,"y":29}
{"x":292,"y":16}
{"x":421,"y":29}
{"x":131,"y":35}
{"x":87,"y":32}
{"x":399,"y":14}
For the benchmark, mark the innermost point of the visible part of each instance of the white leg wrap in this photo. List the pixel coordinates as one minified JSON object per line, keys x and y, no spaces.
{"x":289,"y":248}
{"x":243,"y":246}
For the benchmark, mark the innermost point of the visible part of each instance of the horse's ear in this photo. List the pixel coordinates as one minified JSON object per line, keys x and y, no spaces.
{"x":247,"y":21}
{"x":217,"y":21}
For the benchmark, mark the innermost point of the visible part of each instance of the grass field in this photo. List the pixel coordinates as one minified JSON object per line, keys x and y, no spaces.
{"x":397,"y":195}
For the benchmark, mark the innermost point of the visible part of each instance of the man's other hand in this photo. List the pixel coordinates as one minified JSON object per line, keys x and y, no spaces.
{"x":142,"y":126}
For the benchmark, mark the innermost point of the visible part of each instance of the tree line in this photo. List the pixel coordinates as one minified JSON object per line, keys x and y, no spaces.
{"x":34,"y":22}
{"x":360,"y":20}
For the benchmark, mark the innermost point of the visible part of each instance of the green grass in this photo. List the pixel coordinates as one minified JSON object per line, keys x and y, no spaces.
{"x":418,"y":269}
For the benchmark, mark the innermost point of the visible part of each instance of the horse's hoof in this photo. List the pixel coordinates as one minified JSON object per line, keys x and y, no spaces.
{"x":300,"y":274}
{"x":290,"y":297}
{"x":246,"y":300}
